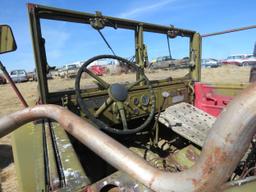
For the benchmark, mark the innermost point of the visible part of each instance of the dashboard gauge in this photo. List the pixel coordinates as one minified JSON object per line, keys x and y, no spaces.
{"x":145,"y":100}
{"x":136,"y":111}
{"x":136,"y":101}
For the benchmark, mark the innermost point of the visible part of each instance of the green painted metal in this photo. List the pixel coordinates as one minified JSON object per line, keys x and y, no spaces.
{"x":85,"y":18}
{"x":174,"y":88}
{"x":39,"y":49}
{"x":139,"y":48}
{"x":195,"y":56}
{"x":75,"y":177}
{"x":248,"y":187}
{"x":186,"y":157}
{"x":28,"y":157}
{"x":30,"y":165}
{"x":37,"y":12}
{"x":54,"y":180}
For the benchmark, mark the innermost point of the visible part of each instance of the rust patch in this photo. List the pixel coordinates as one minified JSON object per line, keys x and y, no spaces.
{"x":31,"y":6}
{"x":192,"y":155}
{"x":219,"y":154}
{"x":216,"y":158}
{"x":88,"y":189}
{"x":70,"y":127}
{"x":194,"y":181}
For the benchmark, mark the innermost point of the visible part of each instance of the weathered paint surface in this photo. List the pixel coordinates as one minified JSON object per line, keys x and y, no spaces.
{"x":28,"y":157}
{"x":185,"y":158}
{"x":75,"y":177}
{"x":213,"y":98}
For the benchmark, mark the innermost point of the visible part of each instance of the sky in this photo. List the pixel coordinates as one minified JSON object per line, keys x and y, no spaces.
{"x":66,"y":43}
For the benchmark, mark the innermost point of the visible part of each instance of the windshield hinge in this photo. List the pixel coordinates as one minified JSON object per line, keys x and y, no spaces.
{"x":98,"y":22}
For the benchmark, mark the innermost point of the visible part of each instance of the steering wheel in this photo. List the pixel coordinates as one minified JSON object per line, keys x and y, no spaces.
{"x":117,"y":93}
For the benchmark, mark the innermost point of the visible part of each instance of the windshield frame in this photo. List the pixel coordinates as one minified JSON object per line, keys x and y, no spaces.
{"x":39,"y":12}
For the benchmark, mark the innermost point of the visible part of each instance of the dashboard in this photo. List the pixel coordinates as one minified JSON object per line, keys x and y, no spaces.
{"x":138,"y":104}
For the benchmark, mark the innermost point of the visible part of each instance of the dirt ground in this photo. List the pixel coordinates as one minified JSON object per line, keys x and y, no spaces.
{"x":9,"y":103}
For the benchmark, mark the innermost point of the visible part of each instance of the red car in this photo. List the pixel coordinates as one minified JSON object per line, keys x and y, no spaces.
{"x":2,"y":79}
{"x":97,"y":70}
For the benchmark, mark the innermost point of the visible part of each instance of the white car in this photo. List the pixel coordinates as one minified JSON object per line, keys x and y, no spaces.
{"x":19,"y":75}
{"x":210,"y":63}
{"x":249,"y":60}
{"x":68,"y":71}
{"x":240,"y":60}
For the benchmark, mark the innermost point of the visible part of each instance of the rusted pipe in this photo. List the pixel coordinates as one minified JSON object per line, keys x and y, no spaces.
{"x":14,"y":87}
{"x":226,"y":144}
{"x":229,"y":31}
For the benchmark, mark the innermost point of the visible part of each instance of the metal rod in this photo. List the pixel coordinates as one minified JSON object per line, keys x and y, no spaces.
{"x":165,"y":95}
{"x":224,"y":147}
{"x":229,"y":31}
{"x":169,"y":48}
{"x":239,"y":183}
{"x":16,"y":90}
{"x":105,"y":40}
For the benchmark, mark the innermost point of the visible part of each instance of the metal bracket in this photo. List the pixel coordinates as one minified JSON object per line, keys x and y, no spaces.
{"x":98,"y":22}
{"x":172,"y":33}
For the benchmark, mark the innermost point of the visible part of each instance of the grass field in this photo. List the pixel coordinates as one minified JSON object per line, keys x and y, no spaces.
{"x":9,"y":103}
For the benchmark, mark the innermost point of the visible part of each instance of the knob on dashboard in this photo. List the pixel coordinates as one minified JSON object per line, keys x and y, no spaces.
{"x":165,"y":94}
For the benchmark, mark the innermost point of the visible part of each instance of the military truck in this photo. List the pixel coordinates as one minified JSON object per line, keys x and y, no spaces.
{"x":143,"y":135}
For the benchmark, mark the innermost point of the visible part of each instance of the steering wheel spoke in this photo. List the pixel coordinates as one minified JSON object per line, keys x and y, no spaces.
{"x":131,"y":85}
{"x":100,"y":80}
{"x":120,"y":107}
{"x":118,"y":94}
{"x":103,"y":107}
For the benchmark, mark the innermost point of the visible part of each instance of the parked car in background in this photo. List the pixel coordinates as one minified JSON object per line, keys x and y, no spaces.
{"x":181,"y":63}
{"x":34,"y":75}
{"x":240,"y":60}
{"x":250,"y":60}
{"x":2,"y":79}
{"x":211,"y":63}
{"x":19,"y":75}
{"x":162,"y":63}
{"x":31,"y":75}
{"x":68,"y":71}
{"x":234,"y":60}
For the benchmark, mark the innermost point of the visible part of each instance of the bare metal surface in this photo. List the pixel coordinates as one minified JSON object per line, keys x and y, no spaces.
{"x":239,"y":182}
{"x":188,"y":121}
{"x":226,"y":143}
